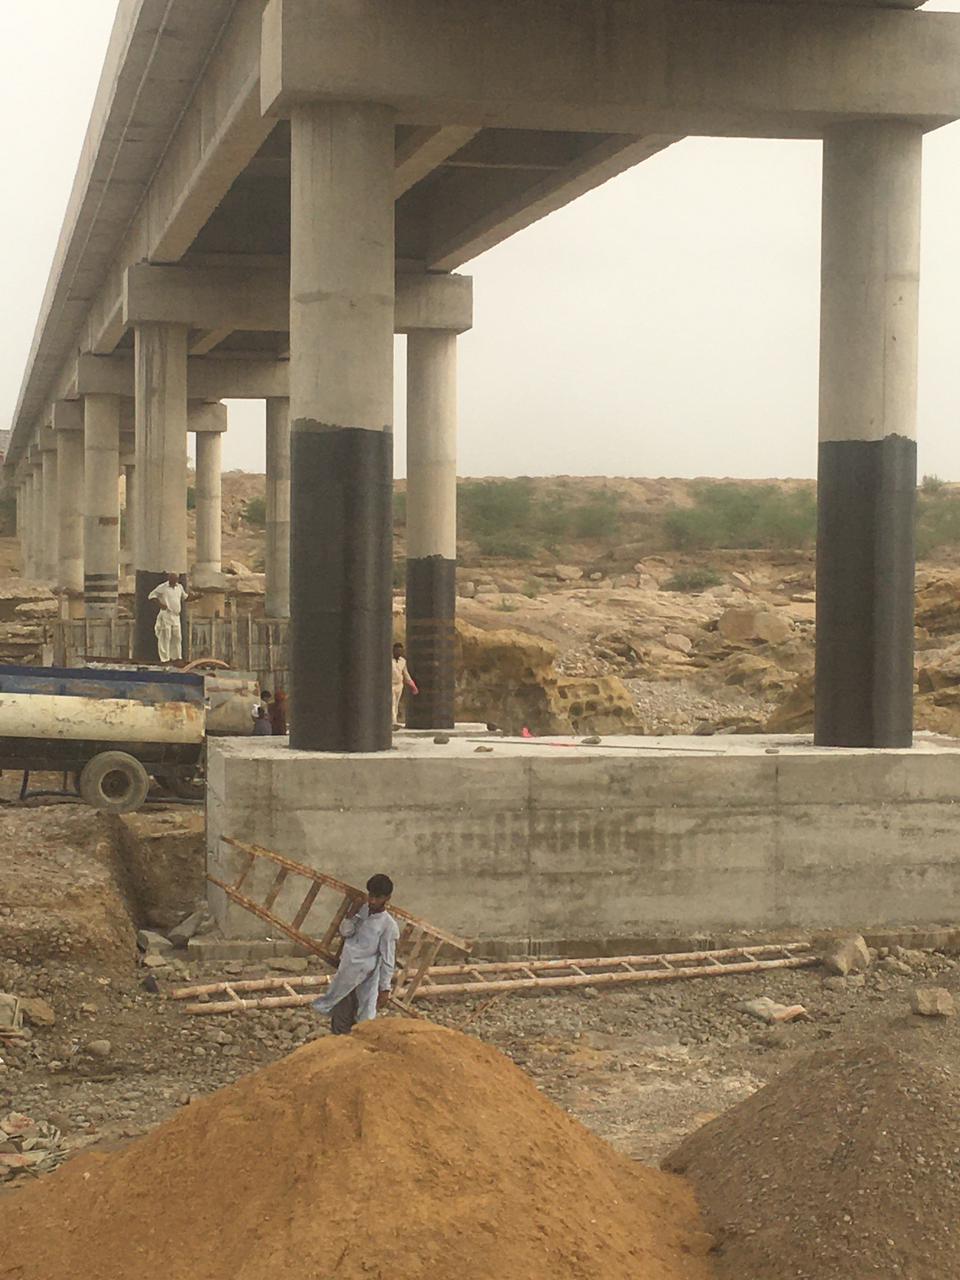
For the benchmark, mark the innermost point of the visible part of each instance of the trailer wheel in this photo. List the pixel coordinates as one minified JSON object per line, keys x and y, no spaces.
{"x":114,"y":782}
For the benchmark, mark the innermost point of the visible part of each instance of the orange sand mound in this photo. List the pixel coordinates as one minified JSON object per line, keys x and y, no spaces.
{"x":406,"y":1150}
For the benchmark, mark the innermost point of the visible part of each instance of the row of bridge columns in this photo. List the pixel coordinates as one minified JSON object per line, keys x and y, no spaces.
{"x":330,"y":452}
{"x":329,"y":527}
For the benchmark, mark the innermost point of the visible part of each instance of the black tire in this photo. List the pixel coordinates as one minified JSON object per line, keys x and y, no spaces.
{"x":114,"y":782}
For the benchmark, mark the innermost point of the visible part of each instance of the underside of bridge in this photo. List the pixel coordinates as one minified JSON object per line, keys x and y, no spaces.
{"x":270,"y":191}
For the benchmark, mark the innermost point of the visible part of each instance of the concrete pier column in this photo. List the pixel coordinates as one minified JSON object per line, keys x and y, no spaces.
{"x":101,"y":505}
{"x":128,"y":558}
{"x":431,"y":525}
{"x":161,"y":471}
{"x":50,"y":514}
{"x":341,"y":410}
{"x":868,"y":454}
{"x":207,"y":573}
{"x":278,"y":509}
{"x":70,"y":514}
{"x":33,"y":534}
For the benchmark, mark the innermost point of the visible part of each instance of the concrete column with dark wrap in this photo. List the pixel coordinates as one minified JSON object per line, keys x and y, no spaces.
{"x":431,"y":525}
{"x":868,"y":459}
{"x":341,"y":410}
{"x":101,"y":505}
{"x":161,"y":472}
{"x":278,"y":508}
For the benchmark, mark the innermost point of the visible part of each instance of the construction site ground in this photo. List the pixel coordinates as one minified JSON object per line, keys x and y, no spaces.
{"x":641,"y":1066}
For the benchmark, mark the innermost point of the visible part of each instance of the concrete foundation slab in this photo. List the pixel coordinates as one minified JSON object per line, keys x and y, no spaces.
{"x":545,"y":845}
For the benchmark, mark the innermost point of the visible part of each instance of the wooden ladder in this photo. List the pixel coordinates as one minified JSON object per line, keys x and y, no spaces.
{"x":492,"y":978}
{"x":419,"y":945}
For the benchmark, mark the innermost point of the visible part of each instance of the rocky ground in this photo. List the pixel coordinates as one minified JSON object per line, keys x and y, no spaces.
{"x":105,"y":1054}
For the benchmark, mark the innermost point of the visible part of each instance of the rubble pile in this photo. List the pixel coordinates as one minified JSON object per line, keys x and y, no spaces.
{"x":847,"y":1165}
{"x":403,"y":1150}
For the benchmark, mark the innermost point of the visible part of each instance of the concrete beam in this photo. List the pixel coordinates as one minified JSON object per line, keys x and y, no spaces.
{"x":222,"y":299}
{"x":208,"y":298}
{"x":67,"y":415}
{"x":424,"y":150}
{"x":712,"y":67}
{"x":473,"y":209}
{"x":208,"y":378}
{"x":162,"y":151}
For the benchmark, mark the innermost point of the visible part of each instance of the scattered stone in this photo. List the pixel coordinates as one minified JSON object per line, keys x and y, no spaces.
{"x":151,"y":984}
{"x":38,"y":1013}
{"x":152,"y":960}
{"x":741,"y":580}
{"x":442,"y":739}
{"x":10,"y":1017}
{"x":567,"y":573}
{"x":851,"y":955}
{"x":933,"y":1002}
{"x":98,"y":1048}
{"x":835,"y":984}
{"x":483,"y":750}
{"x":739,"y":626}
{"x":768,"y":1010}
{"x":592,"y":741}
{"x":289,"y":964}
{"x":153,"y":943}
{"x":891,"y":964}
{"x":677,"y":643}
{"x":181,"y":934}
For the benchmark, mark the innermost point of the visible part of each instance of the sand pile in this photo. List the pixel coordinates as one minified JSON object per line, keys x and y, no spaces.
{"x":406,"y":1150}
{"x":846,"y":1167}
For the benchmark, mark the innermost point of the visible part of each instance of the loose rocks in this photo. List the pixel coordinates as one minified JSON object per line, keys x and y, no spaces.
{"x":851,"y":955}
{"x":933,"y":1002}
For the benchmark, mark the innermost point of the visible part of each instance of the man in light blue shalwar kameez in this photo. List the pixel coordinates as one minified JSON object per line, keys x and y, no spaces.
{"x":368,"y":959}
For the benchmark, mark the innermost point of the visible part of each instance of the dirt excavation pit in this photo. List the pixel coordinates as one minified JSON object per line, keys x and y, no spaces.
{"x":406,"y":1150}
{"x":846,"y":1167}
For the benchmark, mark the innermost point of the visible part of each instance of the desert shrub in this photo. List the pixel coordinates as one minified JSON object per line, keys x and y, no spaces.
{"x":931,"y":485}
{"x":255,"y":512}
{"x":740,"y":516}
{"x":692,"y":580}
{"x":532,"y":588}
{"x":938,"y":522}
{"x":599,"y":517}
{"x":191,"y":498}
{"x":505,"y":544}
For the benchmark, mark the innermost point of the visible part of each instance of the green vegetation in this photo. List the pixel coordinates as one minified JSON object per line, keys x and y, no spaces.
{"x":931,"y":485}
{"x":191,"y":498}
{"x":510,"y":519}
{"x":693,"y":580}
{"x":743,"y":517}
{"x":255,"y":512}
{"x":938,"y":519}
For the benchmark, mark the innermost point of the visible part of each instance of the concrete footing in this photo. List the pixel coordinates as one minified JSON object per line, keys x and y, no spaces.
{"x":555,"y":846}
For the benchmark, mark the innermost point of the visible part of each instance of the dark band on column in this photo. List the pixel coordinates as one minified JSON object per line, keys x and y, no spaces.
{"x":431,"y":637}
{"x":341,"y":541}
{"x":865,"y":592}
{"x":101,"y":589}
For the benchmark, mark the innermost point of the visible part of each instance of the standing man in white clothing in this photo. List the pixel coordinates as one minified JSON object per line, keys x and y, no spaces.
{"x":170,"y":595}
{"x":364,"y":979}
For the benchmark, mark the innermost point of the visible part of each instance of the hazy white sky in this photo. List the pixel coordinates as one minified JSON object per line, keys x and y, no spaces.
{"x":663,"y":325}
